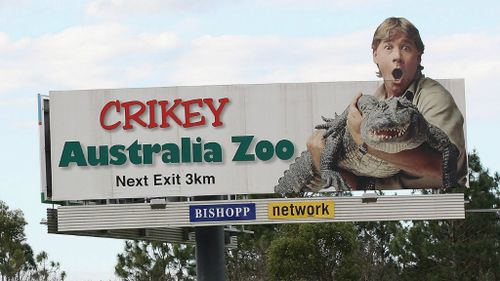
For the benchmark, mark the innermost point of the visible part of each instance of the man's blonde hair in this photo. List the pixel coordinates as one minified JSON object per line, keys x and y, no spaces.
{"x":393,"y":26}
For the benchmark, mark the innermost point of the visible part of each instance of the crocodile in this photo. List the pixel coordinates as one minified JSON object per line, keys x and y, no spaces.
{"x":390,"y":125}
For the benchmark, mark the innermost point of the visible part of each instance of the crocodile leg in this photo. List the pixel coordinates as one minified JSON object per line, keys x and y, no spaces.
{"x":449,"y":153}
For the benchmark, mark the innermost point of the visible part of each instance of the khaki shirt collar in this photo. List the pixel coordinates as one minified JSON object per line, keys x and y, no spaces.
{"x":381,"y":94}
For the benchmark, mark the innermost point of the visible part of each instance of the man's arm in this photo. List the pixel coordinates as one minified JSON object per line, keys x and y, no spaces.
{"x":422,"y":161}
{"x":315,"y":146}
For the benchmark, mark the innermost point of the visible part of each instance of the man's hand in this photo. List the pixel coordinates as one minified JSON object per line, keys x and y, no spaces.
{"x":354,"y":119}
{"x":315,"y":146}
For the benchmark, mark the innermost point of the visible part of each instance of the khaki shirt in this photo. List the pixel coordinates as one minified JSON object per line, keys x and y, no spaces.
{"x":439,"y":108}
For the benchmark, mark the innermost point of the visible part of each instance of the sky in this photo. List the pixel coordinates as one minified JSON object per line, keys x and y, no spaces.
{"x":68,"y":45}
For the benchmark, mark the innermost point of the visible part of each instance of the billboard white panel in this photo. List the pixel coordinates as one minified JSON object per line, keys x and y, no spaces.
{"x":180,"y":214}
{"x":186,"y":141}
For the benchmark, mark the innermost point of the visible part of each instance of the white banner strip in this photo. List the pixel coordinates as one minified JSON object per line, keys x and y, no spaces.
{"x":261,"y":211}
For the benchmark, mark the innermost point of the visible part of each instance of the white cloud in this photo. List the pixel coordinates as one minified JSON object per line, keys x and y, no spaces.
{"x":261,"y":59}
{"x":79,"y":57}
{"x":474,"y":57}
{"x":110,"y":55}
{"x":113,"y":9}
{"x":323,"y":4}
{"x":122,"y":8}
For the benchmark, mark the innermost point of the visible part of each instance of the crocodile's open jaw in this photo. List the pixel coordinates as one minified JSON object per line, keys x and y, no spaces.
{"x":387,"y":134}
{"x":397,"y":73}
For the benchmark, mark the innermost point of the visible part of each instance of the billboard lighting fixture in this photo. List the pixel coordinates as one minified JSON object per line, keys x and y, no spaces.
{"x":369,"y":198}
{"x":158,"y":203}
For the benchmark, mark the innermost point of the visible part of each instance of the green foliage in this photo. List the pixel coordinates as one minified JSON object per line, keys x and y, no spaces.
{"x":46,"y":270}
{"x":310,"y":251}
{"x":247,"y":261}
{"x":456,"y":249}
{"x":15,"y":253}
{"x":17,"y":261}
{"x":143,"y":260}
{"x":374,"y":257}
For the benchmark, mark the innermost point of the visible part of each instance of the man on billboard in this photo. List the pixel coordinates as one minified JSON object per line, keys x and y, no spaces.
{"x":397,"y":51}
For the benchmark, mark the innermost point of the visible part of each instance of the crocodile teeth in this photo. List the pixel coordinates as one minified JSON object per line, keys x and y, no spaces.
{"x":385,"y":134}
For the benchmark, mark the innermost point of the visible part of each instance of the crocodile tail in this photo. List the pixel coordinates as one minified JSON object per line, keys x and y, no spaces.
{"x":299,"y":177}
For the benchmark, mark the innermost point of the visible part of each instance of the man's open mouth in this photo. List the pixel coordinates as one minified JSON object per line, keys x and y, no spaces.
{"x":397,"y":73}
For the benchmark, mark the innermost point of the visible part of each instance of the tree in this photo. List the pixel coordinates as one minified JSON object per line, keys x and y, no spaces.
{"x":247,"y":262}
{"x":155,"y":261}
{"x":17,"y":261}
{"x":15,"y":254}
{"x":313,"y":252}
{"x":480,"y":232}
{"x":376,"y":262}
{"x":46,"y":270}
{"x":456,"y":249}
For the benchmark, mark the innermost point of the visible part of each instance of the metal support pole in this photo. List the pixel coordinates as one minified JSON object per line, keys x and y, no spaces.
{"x":210,"y":260}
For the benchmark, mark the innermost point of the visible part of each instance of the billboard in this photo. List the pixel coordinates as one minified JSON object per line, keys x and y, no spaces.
{"x":191,"y":140}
